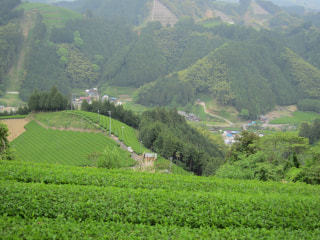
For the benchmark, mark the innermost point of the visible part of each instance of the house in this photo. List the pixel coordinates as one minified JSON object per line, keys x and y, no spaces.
{"x":184,"y":114}
{"x":105,"y":98}
{"x":149,"y":158}
{"x":88,"y":99}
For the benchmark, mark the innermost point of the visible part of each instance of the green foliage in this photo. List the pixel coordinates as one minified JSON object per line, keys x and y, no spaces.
{"x":42,"y":145}
{"x":111,"y":158}
{"x":47,"y":101}
{"x":309,"y":105}
{"x":165,"y":91}
{"x":168,"y":134}
{"x":52,"y":16}
{"x":244,"y":113}
{"x":42,"y":64}
{"x":10,"y":43}
{"x":79,"y":69}
{"x":64,"y":120}
{"x":297,"y":118}
{"x":13,"y":117}
{"x":129,"y":133}
{"x":67,"y":202}
{"x":5,"y":152}
{"x":118,"y":112}
{"x":144,"y":63}
{"x":209,"y":75}
{"x":8,"y":12}
{"x":303,"y":75}
{"x":132,"y":12}
{"x":310,"y":131}
{"x":268,"y":158}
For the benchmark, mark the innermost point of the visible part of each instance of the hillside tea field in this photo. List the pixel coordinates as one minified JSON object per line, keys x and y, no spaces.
{"x":42,"y":145}
{"x":86,"y":203}
{"x":129,"y":134}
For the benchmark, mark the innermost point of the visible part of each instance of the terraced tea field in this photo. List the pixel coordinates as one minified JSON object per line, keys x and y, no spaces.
{"x":124,"y":132}
{"x":87,"y":203}
{"x":42,"y":145}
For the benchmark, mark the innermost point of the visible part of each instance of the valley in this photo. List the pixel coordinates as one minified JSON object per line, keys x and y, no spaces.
{"x":159,"y":119}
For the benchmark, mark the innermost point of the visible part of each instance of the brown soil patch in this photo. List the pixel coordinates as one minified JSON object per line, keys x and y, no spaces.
{"x":16,"y":127}
{"x":281,"y":111}
{"x":209,"y":13}
{"x":258,"y":10}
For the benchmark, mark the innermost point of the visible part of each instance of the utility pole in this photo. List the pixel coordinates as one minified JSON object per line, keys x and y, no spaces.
{"x":98,"y":118}
{"x":122,"y":132}
{"x":140,"y":146}
{"x":73,"y":96}
{"x":110,"y":120}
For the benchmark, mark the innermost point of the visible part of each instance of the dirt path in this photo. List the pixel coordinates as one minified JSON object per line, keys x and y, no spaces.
{"x":16,"y":127}
{"x":213,"y":115}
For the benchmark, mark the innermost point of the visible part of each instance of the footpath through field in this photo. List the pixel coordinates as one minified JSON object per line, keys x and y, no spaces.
{"x":213,"y":115}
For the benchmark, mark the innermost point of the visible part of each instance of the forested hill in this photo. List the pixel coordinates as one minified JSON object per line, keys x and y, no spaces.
{"x":10,"y":39}
{"x":170,"y":65}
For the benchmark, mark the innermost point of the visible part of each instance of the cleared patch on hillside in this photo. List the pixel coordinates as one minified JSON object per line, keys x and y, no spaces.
{"x":162,"y":14}
{"x":16,"y":127}
{"x":281,"y":111}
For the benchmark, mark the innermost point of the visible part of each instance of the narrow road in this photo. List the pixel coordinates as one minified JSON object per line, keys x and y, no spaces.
{"x":213,"y":115}
{"x":123,"y":146}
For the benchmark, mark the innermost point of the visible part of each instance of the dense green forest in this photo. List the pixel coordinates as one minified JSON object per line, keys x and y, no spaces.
{"x":168,"y":133}
{"x":237,"y":65}
{"x":280,"y":156}
{"x":47,"y":101}
{"x":118,"y":112}
{"x":10,"y":39}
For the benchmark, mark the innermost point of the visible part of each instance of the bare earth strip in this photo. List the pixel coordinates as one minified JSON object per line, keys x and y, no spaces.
{"x":16,"y":127}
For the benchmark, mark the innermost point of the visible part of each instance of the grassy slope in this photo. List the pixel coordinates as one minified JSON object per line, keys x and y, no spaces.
{"x":52,"y":16}
{"x":42,"y":145}
{"x":297,"y":118}
{"x":55,"y":146}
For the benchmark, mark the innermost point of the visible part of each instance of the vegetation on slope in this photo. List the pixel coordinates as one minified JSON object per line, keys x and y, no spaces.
{"x":52,"y":16}
{"x":168,"y":133}
{"x":280,"y":156}
{"x":63,"y":147}
{"x":10,"y":39}
{"x":150,"y":205}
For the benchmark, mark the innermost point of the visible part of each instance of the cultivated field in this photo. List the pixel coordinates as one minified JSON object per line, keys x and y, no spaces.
{"x":126,"y":134}
{"x":42,"y":145}
{"x":296,"y":118}
{"x":86,"y":203}
{"x":52,"y":16}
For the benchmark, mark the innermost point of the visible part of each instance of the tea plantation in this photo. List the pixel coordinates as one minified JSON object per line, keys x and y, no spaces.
{"x":63,"y":202}
{"x":124,"y":132}
{"x":42,"y":145}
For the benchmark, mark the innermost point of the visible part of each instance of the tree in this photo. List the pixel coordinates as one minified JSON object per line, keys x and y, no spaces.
{"x":85,"y":105}
{"x":110,"y":158}
{"x":244,"y":113}
{"x":34,"y":101}
{"x":5,"y":153}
